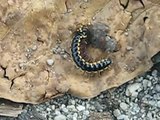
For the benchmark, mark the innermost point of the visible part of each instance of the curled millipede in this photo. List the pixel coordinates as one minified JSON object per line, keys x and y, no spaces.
{"x":83,"y":35}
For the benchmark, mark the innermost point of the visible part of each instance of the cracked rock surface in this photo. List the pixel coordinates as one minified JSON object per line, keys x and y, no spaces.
{"x":35,"y":39}
{"x":143,"y":103}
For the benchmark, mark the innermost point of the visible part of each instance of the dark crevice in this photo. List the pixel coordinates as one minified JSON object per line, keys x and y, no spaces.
{"x":141,"y":1}
{"x":127,"y":3}
{"x":12,"y":81}
{"x":5,"y":76}
{"x":124,"y":6}
{"x":66,"y":5}
{"x":39,"y":40}
{"x":156,"y":58}
{"x":145,"y":18}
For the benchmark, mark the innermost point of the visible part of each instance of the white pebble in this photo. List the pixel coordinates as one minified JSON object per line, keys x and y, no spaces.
{"x":86,"y":113}
{"x":50,"y":62}
{"x":34,"y":47}
{"x":74,"y":118}
{"x":48,"y":109}
{"x":154,"y":73}
{"x":53,"y":107}
{"x":60,"y":117}
{"x":157,"y":87}
{"x":158,"y":104}
{"x":145,"y":83}
{"x":57,"y":112}
{"x":116,"y":112}
{"x":73,"y":102}
{"x":80,"y":108}
{"x":71,"y":108}
{"x":65,"y":110}
{"x":123,"y":117}
{"x":63,"y":106}
{"x":124,"y":106}
{"x":133,"y":89}
{"x":75,"y":115}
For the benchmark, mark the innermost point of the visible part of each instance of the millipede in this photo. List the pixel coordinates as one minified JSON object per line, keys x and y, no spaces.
{"x":81,"y":35}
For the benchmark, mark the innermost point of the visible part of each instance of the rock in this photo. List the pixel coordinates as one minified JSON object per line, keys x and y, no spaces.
{"x":116,"y":112}
{"x":1,"y":72}
{"x":48,"y":109}
{"x":158,"y":104}
{"x":71,"y":108}
{"x":157,"y":87}
{"x":154,"y":73}
{"x":75,"y":115}
{"x":57,"y":112}
{"x":50,"y":62}
{"x":53,"y":107}
{"x":34,"y":48}
{"x":60,"y":117}
{"x":52,"y":31}
{"x":133,"y":89}
{"x":65,"y":110}
{"x":86,"y":113}
{"x":124,"y":106}
{"x":80,"y":108}
{"x":72,"y":102}
{"x":123,"y":117}
{"x":146,"y":83}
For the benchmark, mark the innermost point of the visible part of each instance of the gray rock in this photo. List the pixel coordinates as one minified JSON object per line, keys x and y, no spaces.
{"x":123,"y":117}
{"x":57,"y":112}
{"x":75,"y":115}
{"x":72,"y":102}
{"x":145,"y":83}
{"x":154,"y":73}
{"x":158,"y":104}
{"x":86,"y":113}
{"x":71,"y":108}
{"x":65,"y":110}
{"x":63,"y":106}
{"x":124,"y":106}
{"x":116,"y":112}
{"x":133,"y":89}
{"x":53,"y":107}
{"x":48,"y":109}
{"x":60,"y":117}
{"x":80,"y":108}
{"x":157,"y":87}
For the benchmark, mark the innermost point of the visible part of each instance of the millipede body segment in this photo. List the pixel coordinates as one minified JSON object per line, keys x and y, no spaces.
{"x":83,"y":35}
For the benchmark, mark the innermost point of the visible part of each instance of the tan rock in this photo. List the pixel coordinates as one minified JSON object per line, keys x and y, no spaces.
{"x":50,"y":23}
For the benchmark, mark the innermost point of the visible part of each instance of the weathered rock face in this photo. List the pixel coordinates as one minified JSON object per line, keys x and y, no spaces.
{"x":35,"y":40}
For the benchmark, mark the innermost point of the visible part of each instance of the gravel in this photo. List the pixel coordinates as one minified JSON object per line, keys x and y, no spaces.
{"x":138,"y":99}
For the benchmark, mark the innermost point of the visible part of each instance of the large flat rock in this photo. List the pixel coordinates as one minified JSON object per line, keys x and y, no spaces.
{"x":34,"y":32}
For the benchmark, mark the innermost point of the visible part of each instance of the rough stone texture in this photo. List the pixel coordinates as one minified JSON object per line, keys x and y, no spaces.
{"x":24,"y":74}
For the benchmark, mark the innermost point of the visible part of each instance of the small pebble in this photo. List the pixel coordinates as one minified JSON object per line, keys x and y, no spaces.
{"x":53,"y":107}
{"x":80,"y":108}
{"x":116,"y":112}
{"x":57,"y":112}
{"x":157,"y":87}
{"x":124,"y":106}
{"x":133,"y":89}
{"x":71,"y":108}
{"x":123,"y":117}
{"x":65,"y":110}
{"x":50,"y":62}
{"x":34,"y":48}
{"x":154,"y":73}
{"x":60,"y":117}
